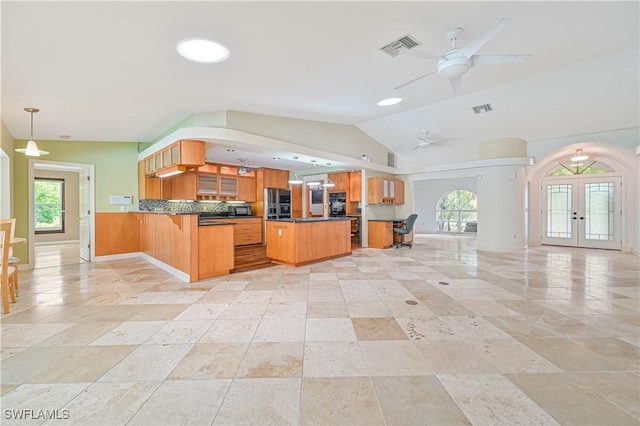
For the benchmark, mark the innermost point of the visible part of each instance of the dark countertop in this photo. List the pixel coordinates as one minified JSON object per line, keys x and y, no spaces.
{"x":309,"y":219}
{"x":197,"y":213}
{"x":165,"y":212}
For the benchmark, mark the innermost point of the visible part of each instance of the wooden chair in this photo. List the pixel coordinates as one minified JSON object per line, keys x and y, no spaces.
{"x":14,"y":261}
{"x":6,"y":271}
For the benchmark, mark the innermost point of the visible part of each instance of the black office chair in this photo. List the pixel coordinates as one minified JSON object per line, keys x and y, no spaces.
{"x":406,"y":229}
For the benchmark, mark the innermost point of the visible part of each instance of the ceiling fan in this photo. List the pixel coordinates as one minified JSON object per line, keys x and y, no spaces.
{"x":424,"y":141}
{"x":245,"y":168}
{"x":455,"y":62}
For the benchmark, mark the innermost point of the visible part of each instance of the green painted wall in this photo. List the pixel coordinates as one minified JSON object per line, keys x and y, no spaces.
{"x":116,"y":173}
{"x":7,"y":144}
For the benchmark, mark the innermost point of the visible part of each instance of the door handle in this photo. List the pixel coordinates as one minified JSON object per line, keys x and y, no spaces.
{"x":582,"y":218}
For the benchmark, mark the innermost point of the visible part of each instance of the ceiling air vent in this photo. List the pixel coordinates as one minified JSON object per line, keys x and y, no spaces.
{"x":396,"y":47}
{"x":482,"y":108}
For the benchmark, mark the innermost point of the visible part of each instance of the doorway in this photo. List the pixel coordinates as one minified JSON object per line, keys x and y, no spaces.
{"x":582,"y":212}
{"x":69,"y":249}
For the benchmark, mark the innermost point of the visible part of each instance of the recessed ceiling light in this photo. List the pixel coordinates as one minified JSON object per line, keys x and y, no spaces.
{"x":389,"y":101}
{"x":203,"y":51}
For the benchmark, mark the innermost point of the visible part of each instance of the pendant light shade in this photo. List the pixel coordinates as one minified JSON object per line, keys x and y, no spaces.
{"x":295,"y":180}
{"x":32,"y":149}
{"x":580,"y":156}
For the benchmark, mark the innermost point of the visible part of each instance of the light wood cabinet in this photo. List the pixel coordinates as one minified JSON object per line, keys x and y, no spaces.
{"x":246,"y":189}
{"x":384,"y":191}
{"x":186,"y":152}
{"x":380,"y":234}
{"x":215,"y":250}
{"x":399,"y":191}
{"x":341,"y":181}
{"x":184,"y":186}
{"x":296,"y":200}
{"x":246,"y":231}
{"x":302,"y":243}
{"x":149,"y":188}
{"x":355,"y":186}
{"x":273,"y":178}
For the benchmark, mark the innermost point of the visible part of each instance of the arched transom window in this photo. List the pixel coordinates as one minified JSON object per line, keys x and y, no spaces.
{"x":457,"y":211}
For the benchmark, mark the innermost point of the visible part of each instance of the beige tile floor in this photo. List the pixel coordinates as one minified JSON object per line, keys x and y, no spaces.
{"x":549,"y":335}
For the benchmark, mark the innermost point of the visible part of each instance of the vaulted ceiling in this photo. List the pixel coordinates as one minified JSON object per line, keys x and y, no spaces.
{"x":109,"y":71}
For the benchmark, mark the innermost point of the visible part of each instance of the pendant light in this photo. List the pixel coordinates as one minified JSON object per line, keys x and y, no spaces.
{"x":32,"y":149}
{"x":580,"y":156}
{"x":295,"y":180}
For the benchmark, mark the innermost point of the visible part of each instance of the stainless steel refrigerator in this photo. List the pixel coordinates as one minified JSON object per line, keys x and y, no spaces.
{"x":278,"y":203}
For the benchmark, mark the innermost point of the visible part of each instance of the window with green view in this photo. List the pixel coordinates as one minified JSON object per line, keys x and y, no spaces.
{"x":49,"y":205}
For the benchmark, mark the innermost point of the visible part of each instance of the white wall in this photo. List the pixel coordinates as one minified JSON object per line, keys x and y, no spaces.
{"x":426,"y":196}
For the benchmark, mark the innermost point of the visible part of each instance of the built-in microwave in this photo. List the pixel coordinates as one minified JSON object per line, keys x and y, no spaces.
{"x":240,"y":211}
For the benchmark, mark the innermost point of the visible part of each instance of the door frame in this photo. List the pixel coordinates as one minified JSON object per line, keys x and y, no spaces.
{"x":578,"y":182}
{"x":62,"y":166}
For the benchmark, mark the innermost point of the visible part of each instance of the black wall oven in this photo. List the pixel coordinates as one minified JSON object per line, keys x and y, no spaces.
{"x":338,"y":204}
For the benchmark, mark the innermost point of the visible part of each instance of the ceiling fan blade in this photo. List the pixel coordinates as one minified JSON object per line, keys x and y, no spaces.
{"x":414,"y":80}
{"x":422,"y":55}
{"x":456,"y":84}
{"x":497,"y":59}
{"x":471,"y":48}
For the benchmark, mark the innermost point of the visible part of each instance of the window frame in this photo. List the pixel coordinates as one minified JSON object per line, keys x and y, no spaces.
{"x":458,"y":214}
{"x":61,"y":204}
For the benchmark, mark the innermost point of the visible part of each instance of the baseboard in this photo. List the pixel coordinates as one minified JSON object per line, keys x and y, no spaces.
{"x":51,"y":243}
{"x":110,"y":257}
{"x":170,"y":269}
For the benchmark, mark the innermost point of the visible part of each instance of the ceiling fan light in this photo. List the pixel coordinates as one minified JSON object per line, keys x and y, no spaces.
{"x":453,"y":68}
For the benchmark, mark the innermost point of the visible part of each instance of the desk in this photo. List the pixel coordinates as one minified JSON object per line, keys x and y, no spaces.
{"x":381,"y":233}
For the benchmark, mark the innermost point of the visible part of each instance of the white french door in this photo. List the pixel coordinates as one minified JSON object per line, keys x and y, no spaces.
{"x":582,"y":212}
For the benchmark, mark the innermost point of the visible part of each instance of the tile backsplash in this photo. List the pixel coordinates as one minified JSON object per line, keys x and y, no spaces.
{"x":186,"y":206}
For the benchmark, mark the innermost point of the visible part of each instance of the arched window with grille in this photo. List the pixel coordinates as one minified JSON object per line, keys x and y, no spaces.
{"x":457,"y":211}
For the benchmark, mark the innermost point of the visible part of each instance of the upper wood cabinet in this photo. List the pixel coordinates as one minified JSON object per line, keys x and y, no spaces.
{"x":184,"y":186}
{"x":246,"y":189}
{"x":341,"y":181}
{"x":186,"y":152}
{"x":273,"y":178}
{"x":355,"y":186}
{"x":384,"y":191}
{"x":296,"y":200}
{"x":149,"y":188}
{"x":399,"y":191}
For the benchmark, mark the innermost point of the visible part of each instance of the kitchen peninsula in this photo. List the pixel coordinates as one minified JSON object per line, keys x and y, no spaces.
{"x":299,"y":241}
